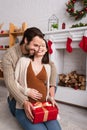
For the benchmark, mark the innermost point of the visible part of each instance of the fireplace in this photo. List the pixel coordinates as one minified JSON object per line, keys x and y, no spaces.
{"x":72,"y":72}
{"x":66,"y":63}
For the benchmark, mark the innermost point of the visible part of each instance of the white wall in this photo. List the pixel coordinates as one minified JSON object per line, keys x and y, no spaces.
{"x":34,"y":12}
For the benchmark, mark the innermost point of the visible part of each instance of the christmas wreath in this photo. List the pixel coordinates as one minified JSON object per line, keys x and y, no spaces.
{"x":75,"y":13}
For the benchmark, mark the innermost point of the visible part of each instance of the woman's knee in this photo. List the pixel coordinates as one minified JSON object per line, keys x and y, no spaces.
{"x":26,"y":123}
{"x":53,"y":124}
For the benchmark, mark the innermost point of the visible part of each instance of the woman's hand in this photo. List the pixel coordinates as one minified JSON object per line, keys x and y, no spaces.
{"x":28,"y":107}
{"x":34,"y":94}
{"x":52,"y":100}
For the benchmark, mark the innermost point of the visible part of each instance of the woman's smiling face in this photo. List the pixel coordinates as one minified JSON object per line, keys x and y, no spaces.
{"x":42,"y":49}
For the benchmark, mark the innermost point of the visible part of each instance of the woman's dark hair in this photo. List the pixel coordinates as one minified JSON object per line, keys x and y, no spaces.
{"x":30,"y":33}
{"x":45,"y":59}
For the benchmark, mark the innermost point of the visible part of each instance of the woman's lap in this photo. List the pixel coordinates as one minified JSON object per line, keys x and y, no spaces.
{"x":27,"y":125}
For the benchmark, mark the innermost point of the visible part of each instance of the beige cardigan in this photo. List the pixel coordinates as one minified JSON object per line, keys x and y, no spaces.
{"x":21,"y":73}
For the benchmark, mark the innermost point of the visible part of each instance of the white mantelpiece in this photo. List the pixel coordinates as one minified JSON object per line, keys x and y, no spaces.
{"x":61,"y":35}
{"x":59,"y":38}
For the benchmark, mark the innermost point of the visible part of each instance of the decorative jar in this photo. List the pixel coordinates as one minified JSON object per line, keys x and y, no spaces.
{"x":53,"y":23}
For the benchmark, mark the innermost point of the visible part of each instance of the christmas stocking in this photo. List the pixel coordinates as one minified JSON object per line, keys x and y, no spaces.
{"x":68,"y":44}
{"x":49,"y":46}
{"x":83,"y":42}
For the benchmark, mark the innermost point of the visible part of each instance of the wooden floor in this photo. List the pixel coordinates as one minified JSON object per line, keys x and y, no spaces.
{"x":71,"y":117}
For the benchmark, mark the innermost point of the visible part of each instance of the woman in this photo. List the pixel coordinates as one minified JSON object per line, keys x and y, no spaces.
{"x":32,"y":76}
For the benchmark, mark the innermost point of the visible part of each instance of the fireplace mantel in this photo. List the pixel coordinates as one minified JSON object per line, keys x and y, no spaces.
{"x":59,"y":39}
{"x":61,"y":35}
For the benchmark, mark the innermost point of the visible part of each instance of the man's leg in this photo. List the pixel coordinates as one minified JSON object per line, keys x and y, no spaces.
{"x":12,"y":105}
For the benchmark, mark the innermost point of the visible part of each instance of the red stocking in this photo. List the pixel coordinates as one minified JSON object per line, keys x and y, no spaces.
{"x":49,"y":46}
{"x":68,"y":45}
{"x":83,"y":43}
{"x":85,"y":47}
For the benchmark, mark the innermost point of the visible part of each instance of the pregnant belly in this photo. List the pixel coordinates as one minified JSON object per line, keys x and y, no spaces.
{"x":43,"y":90}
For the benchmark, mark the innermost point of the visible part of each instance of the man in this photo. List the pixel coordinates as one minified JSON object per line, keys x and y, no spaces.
{"x":9,"y":61}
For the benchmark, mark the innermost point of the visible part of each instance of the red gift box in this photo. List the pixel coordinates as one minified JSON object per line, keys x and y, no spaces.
{"x":44,"y":112}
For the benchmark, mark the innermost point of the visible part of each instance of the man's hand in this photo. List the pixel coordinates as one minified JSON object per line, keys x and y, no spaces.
{"x":28,"y":107}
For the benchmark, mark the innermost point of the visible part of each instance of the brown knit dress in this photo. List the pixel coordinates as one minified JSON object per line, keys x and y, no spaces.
{"x":37,"y":82}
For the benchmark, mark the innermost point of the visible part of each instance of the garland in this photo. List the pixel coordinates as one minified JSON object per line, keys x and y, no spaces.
{"x":75,"y":13}
{"x":79,"y":25}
